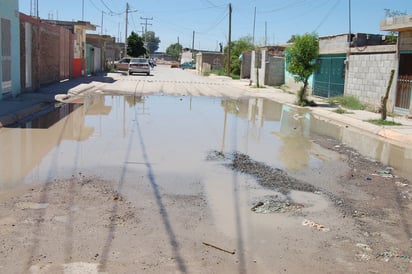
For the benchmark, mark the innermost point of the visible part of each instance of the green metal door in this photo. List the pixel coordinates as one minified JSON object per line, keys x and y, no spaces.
{"x":89,"y":59}
{"x":329,"y":79}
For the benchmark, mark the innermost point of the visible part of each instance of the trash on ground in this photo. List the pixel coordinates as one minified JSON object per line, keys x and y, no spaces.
{"x":385,"y":171}
{"x":400,"y":184}
{"x":219,"y":248}
{"x":364,"y":247}
{"x":392,"y":253}
{"x":315,"y":225}
{"x":276,"y":206}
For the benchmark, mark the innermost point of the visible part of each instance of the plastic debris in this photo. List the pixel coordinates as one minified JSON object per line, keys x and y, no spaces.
{"x":315,"y":225}
{"x":364,"y":247}
{"x":276,"y":206}
{"x":400,"y":184}
{"x":389,"y":254}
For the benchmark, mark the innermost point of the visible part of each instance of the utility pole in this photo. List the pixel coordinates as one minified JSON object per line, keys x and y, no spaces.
{"x":145,"y":29}
{"x":82,"y":10}
{"x":254,"y":25}
{"x":125,"y":33}
{"x":230,"y":40}
{"x":266,"y":33}
{"x":101,"y":30}
{"x":193,"y":46}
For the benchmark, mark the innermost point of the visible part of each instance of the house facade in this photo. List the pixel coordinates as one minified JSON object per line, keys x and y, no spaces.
{"x":102,"y":50}
{"x":9,"y":48}
{"x":46,"y":53}
{"x":403,"y":56}
{"x":207,"y":61}
{"x":359,"y":68}
{"x":78,"y":28}
{"x":268,"y":66}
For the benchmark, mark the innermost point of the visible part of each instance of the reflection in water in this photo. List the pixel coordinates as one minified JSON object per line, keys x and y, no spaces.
{"x":179,"y":133}
{"x":30,"y":144}
{"x":295,"y":133}
{"x":47,"y":120}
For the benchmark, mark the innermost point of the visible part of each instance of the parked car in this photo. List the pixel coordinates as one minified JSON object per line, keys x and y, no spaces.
{"x":139,"y":65}
{"x":189,"y":65}
{"x":122,"y":64}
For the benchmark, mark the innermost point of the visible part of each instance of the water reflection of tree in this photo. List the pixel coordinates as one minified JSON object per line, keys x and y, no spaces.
{"x":133,"y":100}
{"x":230,"y":106}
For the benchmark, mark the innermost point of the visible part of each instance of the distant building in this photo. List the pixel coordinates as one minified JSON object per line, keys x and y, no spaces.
{"x":186,"y":56}
{"x":268,"y":65}
{"x":102,"y":50}
{"x":207,"y":61}
{"x":9,"y":48}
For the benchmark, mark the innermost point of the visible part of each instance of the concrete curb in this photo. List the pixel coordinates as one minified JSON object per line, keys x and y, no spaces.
{"x":42,"y":104}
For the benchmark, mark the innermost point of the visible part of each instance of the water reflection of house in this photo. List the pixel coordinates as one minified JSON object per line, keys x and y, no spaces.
{"x":254,"y":109}
{"x":29,"y":146}
{"x":95,"y":105}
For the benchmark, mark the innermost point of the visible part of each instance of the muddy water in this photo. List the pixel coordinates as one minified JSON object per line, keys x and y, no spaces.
{"x":106,"y":136}
{"x":128,"y":139}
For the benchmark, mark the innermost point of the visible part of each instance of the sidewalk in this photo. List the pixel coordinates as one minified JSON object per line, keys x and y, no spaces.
{"x":14,"y":109}
{"x":355,"y":118}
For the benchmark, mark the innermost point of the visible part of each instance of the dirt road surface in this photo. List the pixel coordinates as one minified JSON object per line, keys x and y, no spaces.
{"x":352,"y":215}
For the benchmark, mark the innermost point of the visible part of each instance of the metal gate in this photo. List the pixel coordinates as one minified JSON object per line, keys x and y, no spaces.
{"x":404,"y":83}
{"x":329,"y":78}
{"x":403,"y":91}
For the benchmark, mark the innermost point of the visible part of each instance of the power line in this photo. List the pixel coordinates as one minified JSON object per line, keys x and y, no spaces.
{"x":327,"y":15}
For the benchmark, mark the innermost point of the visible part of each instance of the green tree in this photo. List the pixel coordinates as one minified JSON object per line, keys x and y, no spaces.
{"x":135,"y":46}
{"x":174,"y":50}
{"x":301,"y":62}
{"x":237,"y":48}
{"x":291,"y":39}
{"x":152,"y":41}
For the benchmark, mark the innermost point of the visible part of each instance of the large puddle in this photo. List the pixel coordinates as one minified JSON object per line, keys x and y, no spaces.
{"x":108,"y":133}
{"x":164,"y":141}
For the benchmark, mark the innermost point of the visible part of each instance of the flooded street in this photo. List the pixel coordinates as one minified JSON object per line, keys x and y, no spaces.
{"x":151,"y":184}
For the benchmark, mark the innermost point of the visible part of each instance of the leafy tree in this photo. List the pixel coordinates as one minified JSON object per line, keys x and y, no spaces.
{"x":135,"y":46}
{"x":301,"y":62}
{"x":237,"y":48}
{"x":152,"y":41}
{"x":174,"y":50}
{"x":291,"y":39}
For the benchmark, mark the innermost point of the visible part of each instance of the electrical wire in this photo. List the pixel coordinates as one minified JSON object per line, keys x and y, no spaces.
{"x":327,"y":15}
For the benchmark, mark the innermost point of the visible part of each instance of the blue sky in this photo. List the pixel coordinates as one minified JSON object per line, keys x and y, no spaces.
{"x":276,"y":20}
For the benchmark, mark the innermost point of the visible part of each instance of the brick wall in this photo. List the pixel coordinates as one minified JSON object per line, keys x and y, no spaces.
{"x":368,"y":77}
{"x":51,"y":53}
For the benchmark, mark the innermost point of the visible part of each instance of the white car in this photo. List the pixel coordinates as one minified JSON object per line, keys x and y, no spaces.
{"x":139,"y":65}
